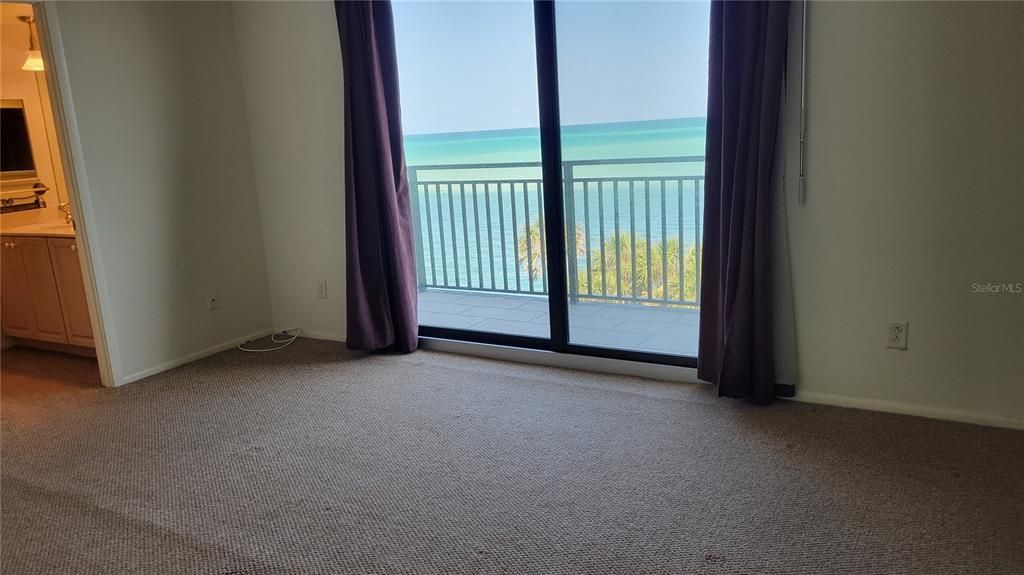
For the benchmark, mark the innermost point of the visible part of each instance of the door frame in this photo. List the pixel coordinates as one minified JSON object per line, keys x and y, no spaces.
{"x":69,"y":144}
{"x":545,"y":40}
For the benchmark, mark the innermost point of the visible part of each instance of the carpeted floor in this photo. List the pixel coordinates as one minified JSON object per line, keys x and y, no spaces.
{"x":313,"y":460}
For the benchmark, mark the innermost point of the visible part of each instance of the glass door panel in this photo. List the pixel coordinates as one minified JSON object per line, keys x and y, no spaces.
{"x":468,"y":81}
{"x":632,"y":88}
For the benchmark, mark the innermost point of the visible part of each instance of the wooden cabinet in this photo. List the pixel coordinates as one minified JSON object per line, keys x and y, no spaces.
{"x":42,"y":285}
{"x":42,"y":295}
{"x":18,"y":318}
{"x":71,"y":288}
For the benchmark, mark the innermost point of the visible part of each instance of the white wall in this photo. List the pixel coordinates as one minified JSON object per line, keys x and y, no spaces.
{"x":915,"y":179}
{"x":157,"y":95}
{"x":291,"y":67}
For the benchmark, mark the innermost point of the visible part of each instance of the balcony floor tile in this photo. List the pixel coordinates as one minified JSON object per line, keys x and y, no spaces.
{"x":490,"y":300}
{"x":442,"y":307}
{"x":609,"y":325}
{"x":502,"y":313}
{"x":590,"y":321}
{"x":434,"y":296}
{"x":540,"y":306}
{"x":635,"y":312}
{"x":585,"y":308}
{"x":513,"y":327}
{"x":650,"y":327}
{"x":453,"y":321}
{"x":671,"y":344}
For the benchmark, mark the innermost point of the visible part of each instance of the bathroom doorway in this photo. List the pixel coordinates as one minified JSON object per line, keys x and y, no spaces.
{"x":47,"y":311}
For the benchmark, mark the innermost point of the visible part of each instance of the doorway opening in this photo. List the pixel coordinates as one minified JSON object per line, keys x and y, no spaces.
{"x":44,"y":298}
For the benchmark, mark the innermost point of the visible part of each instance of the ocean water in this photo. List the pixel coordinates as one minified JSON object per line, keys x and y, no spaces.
{"x":475,"y":214}
{"x":651,"y":138}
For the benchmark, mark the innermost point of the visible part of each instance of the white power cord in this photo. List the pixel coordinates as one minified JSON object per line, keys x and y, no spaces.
{"x":284,"y":337}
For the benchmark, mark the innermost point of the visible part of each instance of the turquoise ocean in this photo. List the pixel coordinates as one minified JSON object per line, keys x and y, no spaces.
{"x":651,"y":138}
{"x":666,"y":197}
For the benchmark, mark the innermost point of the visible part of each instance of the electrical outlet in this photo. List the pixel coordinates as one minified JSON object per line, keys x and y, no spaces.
{"x":321,"y":289}
{"x":212,"y":302}
{"x":897,"y":335}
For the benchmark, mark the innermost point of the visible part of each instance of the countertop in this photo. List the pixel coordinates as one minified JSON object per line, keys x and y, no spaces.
{"x":56,"y":229}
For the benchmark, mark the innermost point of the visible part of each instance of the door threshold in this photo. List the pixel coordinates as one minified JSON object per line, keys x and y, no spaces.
{"x":564,"y":360}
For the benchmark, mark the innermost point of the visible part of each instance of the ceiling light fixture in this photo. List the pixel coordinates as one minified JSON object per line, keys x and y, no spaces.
{"x":33,"y":58}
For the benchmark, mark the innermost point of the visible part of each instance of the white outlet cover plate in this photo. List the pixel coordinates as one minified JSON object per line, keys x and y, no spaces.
{"x":897,"y":336}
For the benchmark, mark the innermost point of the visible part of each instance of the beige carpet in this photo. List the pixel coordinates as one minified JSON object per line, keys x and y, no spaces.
{"x":313,"y":460}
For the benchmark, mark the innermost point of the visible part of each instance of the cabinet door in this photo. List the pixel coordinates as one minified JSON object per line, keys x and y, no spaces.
{"x":15,"y":299}
{"x":35,"y":256}
{"x":71,"y":288}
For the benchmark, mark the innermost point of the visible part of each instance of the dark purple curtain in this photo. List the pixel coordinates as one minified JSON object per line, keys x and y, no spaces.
{"x":378,"y":220}
{"x":746,"y":74}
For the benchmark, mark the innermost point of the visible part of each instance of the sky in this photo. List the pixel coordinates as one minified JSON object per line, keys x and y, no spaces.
{"x":471,"y":66}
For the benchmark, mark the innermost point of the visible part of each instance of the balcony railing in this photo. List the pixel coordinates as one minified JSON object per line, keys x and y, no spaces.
{"x":635,"y":228}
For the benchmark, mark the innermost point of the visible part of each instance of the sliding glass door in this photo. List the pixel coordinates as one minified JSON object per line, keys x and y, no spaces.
{"x":632,"y":88}
{"x":468,"y":78}
{"x":555,"y":156}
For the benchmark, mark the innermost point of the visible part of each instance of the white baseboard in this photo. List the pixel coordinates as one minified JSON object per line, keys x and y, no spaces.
{"x":223,"y":346}
{"x":908,"y":409}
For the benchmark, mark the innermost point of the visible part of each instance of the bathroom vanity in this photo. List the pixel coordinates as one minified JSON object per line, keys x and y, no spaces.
{"x":42,"y":293}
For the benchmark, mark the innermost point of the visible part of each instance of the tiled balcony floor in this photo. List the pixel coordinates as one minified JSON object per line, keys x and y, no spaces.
{"x":613,"y":325}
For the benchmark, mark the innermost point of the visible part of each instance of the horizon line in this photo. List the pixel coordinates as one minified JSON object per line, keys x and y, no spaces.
{"x":563,"y":125}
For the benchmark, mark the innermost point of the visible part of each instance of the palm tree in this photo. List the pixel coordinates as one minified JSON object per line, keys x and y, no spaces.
{"x":535,"y":266}
{"x":660,"y":279}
